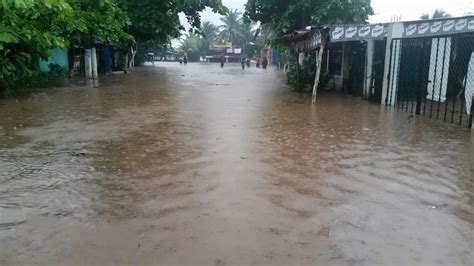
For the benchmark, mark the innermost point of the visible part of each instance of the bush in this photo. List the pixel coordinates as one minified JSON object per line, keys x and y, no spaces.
{"x":56,"y":77}
{"x":301,"y":77}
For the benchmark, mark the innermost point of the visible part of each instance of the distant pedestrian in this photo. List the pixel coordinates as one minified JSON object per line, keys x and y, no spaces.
{"x":247,"y":61}
{"x":222,"y":61}
{"x":185,"y":60}
{"x":257,"y":62}
{"x":242,"y":62}
{"x":264,"y":63}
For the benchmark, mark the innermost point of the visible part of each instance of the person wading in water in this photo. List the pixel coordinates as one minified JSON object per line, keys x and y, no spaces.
{"x":222,"y":61}
{"x":264,"y":63}
{"x":242,"y":62}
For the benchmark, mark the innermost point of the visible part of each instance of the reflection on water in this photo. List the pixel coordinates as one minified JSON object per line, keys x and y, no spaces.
{"x":197,"y":164}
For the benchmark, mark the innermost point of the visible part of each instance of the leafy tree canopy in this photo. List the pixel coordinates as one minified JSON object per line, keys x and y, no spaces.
{"x":96,"y":21}
{"x":27,"y":30}
{"x":288,"y":15}
{"x":158,"y":20}
{"x":231,"y":29}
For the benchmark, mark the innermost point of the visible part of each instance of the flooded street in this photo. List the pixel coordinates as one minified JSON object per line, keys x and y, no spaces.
{"x":198,"y":165}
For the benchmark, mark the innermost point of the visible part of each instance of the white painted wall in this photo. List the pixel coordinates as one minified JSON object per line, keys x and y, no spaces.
{"x":439,"y":69}
{"x":469,"y":86}
{"x":395,"y":30}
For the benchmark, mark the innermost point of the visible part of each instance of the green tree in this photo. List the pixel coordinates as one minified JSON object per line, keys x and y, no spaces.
{"x":247,"y":32}
{"x":27,"y":30}
{"x":247,"y":39}
{"x":208,"y":32}
{"x":191,"y":46}
{"x":231,"y":30}
{"x":30,"y":27}
{"x":156,"y":21}
{"x":288,"y":15}
{"x":96,"y":21}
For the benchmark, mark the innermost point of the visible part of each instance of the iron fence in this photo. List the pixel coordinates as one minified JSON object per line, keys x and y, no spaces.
{"x":433,"y":76}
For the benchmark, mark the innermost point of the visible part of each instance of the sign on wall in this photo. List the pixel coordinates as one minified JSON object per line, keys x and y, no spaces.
{"x":357,"y":32}
{"x":438,"y":27}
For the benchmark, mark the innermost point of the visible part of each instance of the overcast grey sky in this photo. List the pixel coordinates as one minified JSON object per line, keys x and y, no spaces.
{"x":383,"y":9}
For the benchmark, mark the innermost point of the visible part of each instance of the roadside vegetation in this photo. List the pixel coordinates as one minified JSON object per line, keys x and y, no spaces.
{"x":29,"y":28}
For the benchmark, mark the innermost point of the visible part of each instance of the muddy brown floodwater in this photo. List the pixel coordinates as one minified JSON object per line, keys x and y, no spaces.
{"x":198,"y":165}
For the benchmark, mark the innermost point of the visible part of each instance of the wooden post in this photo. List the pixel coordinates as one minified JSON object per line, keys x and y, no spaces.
{"x":319,"y":57}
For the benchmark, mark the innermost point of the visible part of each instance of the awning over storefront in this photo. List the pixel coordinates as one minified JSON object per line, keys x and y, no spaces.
{"x":310,"y":38}
{"x":343,"y":33}
{"x":436,"y":27}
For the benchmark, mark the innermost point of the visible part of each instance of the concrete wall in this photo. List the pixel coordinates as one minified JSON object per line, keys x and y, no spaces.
{"x":56,"y":56}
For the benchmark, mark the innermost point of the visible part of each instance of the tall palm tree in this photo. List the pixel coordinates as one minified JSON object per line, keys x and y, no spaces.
{"x":247,"y":32}
{"x":190,"y":46}
{"x":263,"y":34}
{"x":230,"y":31}
{"x":208,"y":32}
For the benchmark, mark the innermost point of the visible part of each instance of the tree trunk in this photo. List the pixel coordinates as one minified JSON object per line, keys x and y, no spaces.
{"x":319,"y":57}
{"x":132,"y":59}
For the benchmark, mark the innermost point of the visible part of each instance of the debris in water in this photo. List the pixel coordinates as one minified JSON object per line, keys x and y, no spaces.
{"x":301,"y":243}
{"x":336,"y":252}
{"x":274,"y":230}
{"x":268,"y":256}
{"x":218,"y":262}
{"x":78,"y":153}
{"x":325,"y":231}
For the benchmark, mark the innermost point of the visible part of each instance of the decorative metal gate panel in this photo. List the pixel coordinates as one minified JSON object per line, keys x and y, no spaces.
{"x":433,"y":76}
